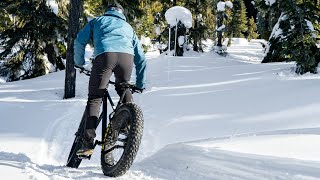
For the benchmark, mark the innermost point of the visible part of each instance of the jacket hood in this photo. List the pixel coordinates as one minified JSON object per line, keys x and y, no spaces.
{"x":115,"y":13}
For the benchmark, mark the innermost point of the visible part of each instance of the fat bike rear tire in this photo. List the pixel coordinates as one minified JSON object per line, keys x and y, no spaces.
{"x":129,"y":118}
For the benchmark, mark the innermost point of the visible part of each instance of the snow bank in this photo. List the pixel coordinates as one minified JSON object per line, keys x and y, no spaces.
{"x":289,"y":74}
{"x":2,"y":80}
{"x":178,"y":13}
{"x":188,"y":161}
{"x":240,"y":41}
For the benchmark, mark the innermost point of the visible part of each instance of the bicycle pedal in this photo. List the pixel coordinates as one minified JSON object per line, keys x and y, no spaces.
{"x":85,"y":153}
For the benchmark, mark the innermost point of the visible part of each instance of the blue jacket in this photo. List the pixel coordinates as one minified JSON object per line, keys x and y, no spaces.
{"x":111,"y":33}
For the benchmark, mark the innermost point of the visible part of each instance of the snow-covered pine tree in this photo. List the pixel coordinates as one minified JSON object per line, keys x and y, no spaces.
{"x":145,"y":25}
{"x":294,"y":37}
{"x":222,"y":18}
{"x":252,"y":30}
{"x":237,"y":25}
{"x":36,"y":31}
{"x":268,"y":15}
{"x":204,"y":21}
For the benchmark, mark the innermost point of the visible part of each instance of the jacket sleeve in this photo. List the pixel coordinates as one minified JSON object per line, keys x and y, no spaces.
{"x":83,"y":38}
{"x":139,"y":62}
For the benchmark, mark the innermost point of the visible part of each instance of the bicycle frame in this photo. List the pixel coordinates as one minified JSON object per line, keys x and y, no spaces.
{"x":106,"y":97}
{"x":104,"y":113}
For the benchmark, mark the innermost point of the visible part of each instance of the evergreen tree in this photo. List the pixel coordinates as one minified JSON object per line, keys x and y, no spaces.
{"x":251,"y":9}
{"x":222,"y":19}
{"x":294,"y":38}
{"x":204,"y":21}
{"x":238,"y":21}
{"x":145,"y":25}
{"x":5,"y":20}
{"x":131,"y":8}
{"x":252,"y":30}
{"x":268,"y":15}
{"x":36,"y":31}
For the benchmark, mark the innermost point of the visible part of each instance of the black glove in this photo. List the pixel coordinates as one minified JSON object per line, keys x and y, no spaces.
{"x":81,"y":68}
{"x":139,"y":90}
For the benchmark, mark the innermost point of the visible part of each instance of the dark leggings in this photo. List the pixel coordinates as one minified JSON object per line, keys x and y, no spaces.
{"x":103,"y":66}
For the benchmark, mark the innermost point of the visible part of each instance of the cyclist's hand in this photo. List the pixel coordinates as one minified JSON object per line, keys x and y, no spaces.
{"x":139,"y":90}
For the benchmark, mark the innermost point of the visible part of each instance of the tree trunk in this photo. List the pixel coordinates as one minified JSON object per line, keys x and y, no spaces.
{"x":74,"y":25}
{"x":196,"y":27}
{"x":219,"y":24}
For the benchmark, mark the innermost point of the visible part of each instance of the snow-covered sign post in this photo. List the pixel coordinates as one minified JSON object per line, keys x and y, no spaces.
{"x":178,"y":16}
{"x":221,"y":15}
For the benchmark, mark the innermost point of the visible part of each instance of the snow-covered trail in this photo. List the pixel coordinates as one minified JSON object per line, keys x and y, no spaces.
{"x":206,"y":117}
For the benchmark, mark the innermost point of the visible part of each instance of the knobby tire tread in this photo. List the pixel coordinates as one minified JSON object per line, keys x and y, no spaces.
{"x":132,"y":146}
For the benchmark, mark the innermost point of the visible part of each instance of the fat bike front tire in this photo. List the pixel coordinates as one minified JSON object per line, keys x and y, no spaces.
{"x":130,"y":118}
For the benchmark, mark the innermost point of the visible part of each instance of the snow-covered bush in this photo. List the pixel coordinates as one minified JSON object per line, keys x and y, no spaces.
{"x":179,"y":20}
{"x":221,"y":21}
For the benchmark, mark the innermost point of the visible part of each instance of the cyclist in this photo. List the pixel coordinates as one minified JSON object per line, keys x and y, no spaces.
{"x":116,"y":49}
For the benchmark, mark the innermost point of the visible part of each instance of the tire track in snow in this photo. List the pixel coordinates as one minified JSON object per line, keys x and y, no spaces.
{"x":59,"y":135}
{"x":30,"y":170}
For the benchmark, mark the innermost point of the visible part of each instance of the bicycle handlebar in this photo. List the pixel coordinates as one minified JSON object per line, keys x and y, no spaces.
{"x":125,"y":85}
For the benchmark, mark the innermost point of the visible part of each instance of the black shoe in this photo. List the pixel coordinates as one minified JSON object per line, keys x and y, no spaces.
{"x":87,"y":148}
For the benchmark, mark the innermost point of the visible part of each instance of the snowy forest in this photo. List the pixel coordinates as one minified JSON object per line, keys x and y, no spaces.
{"x":231,"y":90}
{"x":33,"y":34}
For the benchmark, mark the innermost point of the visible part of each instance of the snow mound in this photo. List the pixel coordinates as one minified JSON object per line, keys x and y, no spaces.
{"x":194,"y":162}
{"x":240,"y":41}
{"x":290,"y":74}
{"x":2,"y":80}
{"x":178,"y":13}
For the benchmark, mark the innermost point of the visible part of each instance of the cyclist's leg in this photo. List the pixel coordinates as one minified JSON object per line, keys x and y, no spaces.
{"x":99,"y":79}
{"x":122,"y":73}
